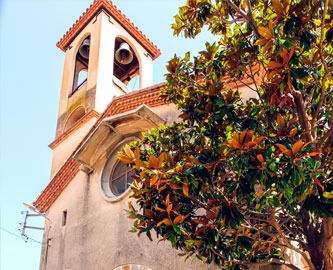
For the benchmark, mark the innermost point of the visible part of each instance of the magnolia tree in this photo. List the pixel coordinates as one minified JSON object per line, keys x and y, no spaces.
{"x":241,"y":182}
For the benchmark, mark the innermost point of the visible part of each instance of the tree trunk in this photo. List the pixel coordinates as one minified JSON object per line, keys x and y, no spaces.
{"x":327,"y":243}
{"x":321,"y":244}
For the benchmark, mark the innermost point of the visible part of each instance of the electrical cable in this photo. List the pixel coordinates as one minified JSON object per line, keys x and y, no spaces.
{"x":24,"y":237}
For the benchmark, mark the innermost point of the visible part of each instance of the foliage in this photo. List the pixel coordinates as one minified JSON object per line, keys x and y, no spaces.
{"x":241,"y":181}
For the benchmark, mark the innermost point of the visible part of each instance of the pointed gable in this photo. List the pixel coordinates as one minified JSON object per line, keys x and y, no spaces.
{"x":115,"y":13}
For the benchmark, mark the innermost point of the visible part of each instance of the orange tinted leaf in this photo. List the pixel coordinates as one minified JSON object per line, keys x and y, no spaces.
{"x":248,"y":136}
{"x":165,"y":221}
{"x":185,"y":190}
{"x":261,"y":158}
{"x":125,"y":159}
{"x":137,"y":153}
{"x":211,"y":214}
{"x":161,"y":160}
{"x":280,"y":121}
{"x":267,"y":46}
{"x":271,"y":74}
{"x":260,"y":193}
{"x":128,"y":151}
{"x":153,"y":162}
{"x":261,"y":41}
{"x":153,"y":180}
{"x":130,"y":206}
{"x":293,"y":132}
{"x":284,"y":149}
{"x":263,"y":31}
{"x":296,"y":147}
{"x":277,"y":6}
{"x":312,"y":154}
{"x":167,"y":199}
{"x":169,"y":208}
{"x":274,"y":65}
{"x":319,"y":184}
{"x":177,"y":220}
{"x":234,"y":144}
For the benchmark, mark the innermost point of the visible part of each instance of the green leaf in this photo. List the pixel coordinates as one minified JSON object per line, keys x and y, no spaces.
{"x":246,"y":242}
{"x":299,"y":72}
{"x":328,"y":195}
{"x":254,"y":112}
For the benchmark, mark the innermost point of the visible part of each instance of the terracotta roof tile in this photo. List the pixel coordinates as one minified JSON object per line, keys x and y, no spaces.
{"x":118,"y":16}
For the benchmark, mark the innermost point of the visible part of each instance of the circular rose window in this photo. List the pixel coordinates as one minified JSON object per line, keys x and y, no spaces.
{"x":116,"y":176}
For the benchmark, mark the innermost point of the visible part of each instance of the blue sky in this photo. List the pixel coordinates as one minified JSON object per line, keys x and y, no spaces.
{"x":30,"y":79}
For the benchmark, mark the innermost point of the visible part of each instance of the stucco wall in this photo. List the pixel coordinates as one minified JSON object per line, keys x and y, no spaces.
{"x":96,"y":235}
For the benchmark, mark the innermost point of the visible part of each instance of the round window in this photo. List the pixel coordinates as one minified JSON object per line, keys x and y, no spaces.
{"x":116,"y":176}
{"x":120,"y":178}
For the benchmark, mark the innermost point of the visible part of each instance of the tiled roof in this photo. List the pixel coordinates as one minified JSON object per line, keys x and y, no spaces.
{"x":118,"y":16}
{"x":57,"y":185}
{"x":148,"y":96}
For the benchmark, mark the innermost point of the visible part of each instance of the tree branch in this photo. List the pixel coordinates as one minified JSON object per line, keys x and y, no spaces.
{"x":249,"y":19}
{"x":328,"y":134}
{"x":322,"y":93}
{"x":270,"y":261}
{"x":302,"y":116}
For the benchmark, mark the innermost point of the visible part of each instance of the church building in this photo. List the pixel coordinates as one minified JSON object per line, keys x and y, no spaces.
{"x":86,"y":226}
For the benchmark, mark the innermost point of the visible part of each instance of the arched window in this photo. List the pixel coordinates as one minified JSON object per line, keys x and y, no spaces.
{"x":126,"y":64}
{"x":81,"y":65}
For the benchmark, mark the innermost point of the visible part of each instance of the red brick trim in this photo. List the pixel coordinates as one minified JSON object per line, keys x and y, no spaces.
{"x":118,"y":16}
{"x":59,"y":182}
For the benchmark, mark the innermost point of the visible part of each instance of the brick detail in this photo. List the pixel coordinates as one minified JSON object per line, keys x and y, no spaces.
{"x":57,"y":185}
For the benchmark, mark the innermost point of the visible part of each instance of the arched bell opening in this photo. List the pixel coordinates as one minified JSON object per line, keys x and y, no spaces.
{"x":126,"y":64}
{"x":81,"y":65}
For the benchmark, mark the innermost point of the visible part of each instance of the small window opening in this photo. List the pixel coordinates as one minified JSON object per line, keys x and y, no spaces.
{"x":134,"y":83}
{"x":82,"y":78}
{"x":64,"y":217}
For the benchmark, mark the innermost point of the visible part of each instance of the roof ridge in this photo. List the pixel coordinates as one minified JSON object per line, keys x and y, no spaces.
{"x":118,"y":16}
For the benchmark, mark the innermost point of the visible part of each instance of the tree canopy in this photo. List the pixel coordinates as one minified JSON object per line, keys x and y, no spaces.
{"x":244,"y":181}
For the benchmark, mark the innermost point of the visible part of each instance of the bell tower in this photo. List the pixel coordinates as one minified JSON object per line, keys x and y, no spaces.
{"x":104,"y":51}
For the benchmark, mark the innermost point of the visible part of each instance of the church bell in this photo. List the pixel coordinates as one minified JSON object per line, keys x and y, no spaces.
{"x":124,"y":54}
{"x":84,"y":48}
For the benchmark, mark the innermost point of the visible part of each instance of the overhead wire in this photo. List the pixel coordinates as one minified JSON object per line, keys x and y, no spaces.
{"x":24,"y":237}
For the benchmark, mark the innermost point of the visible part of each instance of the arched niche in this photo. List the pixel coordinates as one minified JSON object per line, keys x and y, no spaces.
{"x":76,"y":115}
